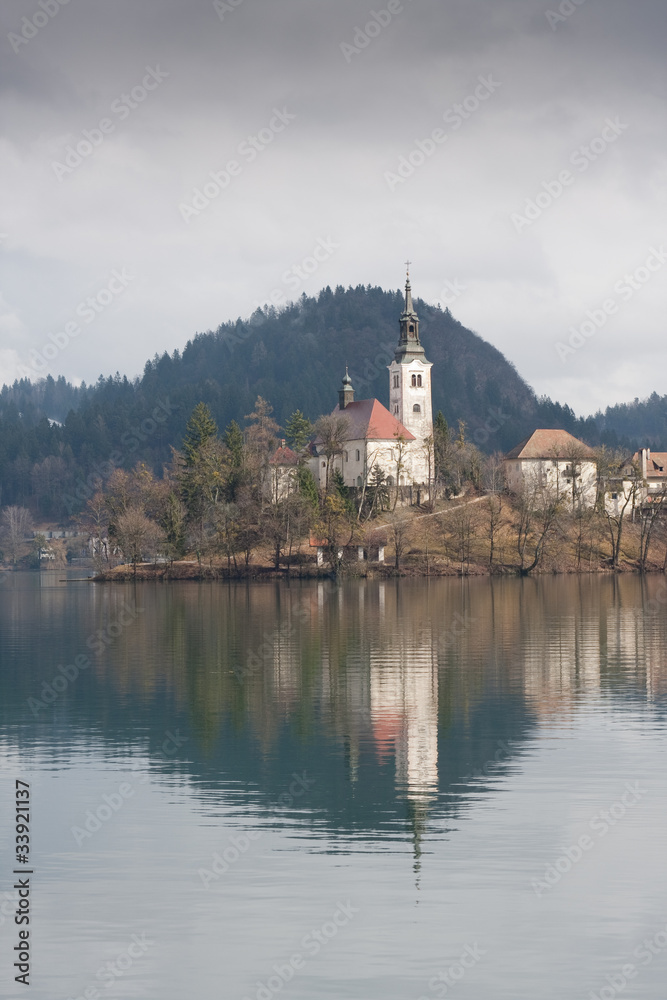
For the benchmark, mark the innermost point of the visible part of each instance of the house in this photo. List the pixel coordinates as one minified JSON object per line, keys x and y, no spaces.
{"x":641,"y":482}
{"x":281,"y":474}
{"x":556,"y":461}
{"x":366,"y":436}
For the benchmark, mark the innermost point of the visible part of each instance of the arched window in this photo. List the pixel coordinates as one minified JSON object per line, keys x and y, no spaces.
{"x":358,"y":455}
{"x":414,"y":381}
{"x":419,"y":380}
{"x":359,"y":482}
{"x":396,"y":409}
{"x":416,"y":408}
{"x":396,"y":382}
{"x":390,"y":480}
{"x":411,"y":328}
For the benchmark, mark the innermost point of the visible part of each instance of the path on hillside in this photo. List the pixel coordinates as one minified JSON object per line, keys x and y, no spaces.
{"x":437,"y":513}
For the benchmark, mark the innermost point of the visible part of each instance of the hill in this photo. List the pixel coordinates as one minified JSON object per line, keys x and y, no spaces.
{"x":295,"y":358}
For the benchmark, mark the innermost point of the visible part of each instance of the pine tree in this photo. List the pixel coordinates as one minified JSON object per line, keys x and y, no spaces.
{"x":298,"y":430}
{"x":200,"y":428}
{"x":233,"y":441}
{"x":308,"y":487}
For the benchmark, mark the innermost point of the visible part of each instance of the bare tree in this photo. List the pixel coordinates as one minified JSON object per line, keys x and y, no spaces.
{"x":333,"y":432}
{"x":428,"y":449}
{"x":460,"y":528}
{"x":538,"y":507}
{"x":625,"y":489}
{"x":493,"y":507}
{"x":16,"y":524}
{"x":399,"y":528}
{"x":400,"y":465}
{"x":655,"y":505}
{"x":137,"y":535}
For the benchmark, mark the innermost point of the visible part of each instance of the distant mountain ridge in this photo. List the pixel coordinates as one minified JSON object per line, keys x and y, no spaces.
{"x":295,"y":358}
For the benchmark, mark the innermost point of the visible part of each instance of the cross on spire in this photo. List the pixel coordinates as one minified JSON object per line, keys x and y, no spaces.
{"x":407,"y":264}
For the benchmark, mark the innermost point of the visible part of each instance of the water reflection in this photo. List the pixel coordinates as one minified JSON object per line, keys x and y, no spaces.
{"x":425,"y":679}
{"x":460,"y":730}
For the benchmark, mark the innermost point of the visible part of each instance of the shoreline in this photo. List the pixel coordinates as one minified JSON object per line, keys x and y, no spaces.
{"x":256,"y":574}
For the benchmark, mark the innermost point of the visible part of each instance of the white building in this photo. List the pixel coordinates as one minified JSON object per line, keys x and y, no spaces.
{"x":640,"y":483}
{"x":399,"y":440}
{"x":554,"y":461}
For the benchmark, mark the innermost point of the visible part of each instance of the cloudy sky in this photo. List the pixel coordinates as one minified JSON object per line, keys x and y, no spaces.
{"x":170,"y":164}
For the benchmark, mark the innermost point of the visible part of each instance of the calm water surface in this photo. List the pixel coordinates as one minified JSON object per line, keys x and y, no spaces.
{"x":375,"y":790}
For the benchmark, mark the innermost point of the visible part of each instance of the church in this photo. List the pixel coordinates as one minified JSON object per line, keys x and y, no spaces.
{"x":398,"y":440}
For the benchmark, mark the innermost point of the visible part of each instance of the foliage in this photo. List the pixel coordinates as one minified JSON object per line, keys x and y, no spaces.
{"x":298,"y":430}
{"x":54,"y":469}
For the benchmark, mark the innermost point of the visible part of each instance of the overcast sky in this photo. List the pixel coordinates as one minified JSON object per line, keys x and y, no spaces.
{"x":306,"y":115}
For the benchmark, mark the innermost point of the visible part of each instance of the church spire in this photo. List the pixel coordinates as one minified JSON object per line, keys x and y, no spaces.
{"x":409,"y":346}
{"x":409,"y":308}
{"x":346,"y":392}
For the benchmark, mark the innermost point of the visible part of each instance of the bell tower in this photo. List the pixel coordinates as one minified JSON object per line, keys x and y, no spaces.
{"x":410,"y":374}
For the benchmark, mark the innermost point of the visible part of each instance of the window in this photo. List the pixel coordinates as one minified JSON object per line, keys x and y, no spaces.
{"x":411,"y":328}
{"x":324,"y":465}
{"x":359,"y":482}
{"x":416,"y":408}
{"x":346,"y":456}
{"x":358,"y":455}
{"x":419,"y":381}
{"x":396,"y":382}
{"x":390,"y":480}
{"x":396,"y":409}
{"x":414,"y":381}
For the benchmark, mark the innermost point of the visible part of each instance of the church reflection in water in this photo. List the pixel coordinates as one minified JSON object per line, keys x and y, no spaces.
{"x":395,"y":694}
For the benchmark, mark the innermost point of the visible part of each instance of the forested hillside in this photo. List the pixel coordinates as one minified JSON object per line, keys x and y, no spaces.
{"x":295,"y":359}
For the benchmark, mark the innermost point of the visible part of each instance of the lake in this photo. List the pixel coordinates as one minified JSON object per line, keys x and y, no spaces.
{"x":409,"y":789}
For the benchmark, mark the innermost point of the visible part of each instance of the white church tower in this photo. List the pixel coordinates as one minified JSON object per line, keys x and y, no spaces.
{"x":410,"y":376}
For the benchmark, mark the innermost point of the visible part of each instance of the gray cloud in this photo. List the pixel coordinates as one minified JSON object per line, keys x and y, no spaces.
{"x":357,"y":113}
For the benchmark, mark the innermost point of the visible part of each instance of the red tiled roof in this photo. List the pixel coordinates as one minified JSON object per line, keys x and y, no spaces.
{"x":550,"y":444}
{"x":371,"y":421}
{"x":284,"y":456}
{"x":656,"y":464}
